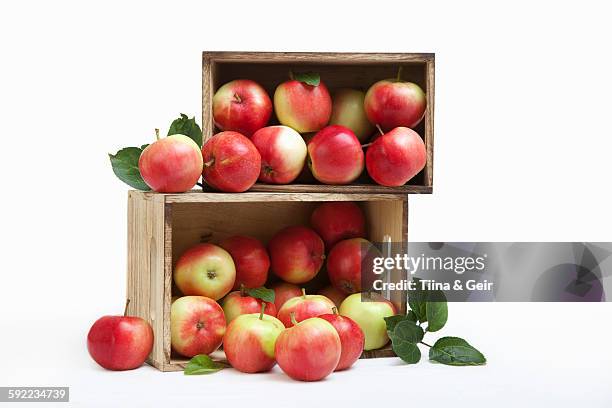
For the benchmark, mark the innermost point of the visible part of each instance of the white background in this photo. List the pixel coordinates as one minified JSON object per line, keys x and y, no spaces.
{"x":522,"y":153}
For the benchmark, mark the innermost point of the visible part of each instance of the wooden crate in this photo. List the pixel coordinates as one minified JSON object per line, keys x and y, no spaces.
{"x":338,"y":70}
{"x":162,"y":226}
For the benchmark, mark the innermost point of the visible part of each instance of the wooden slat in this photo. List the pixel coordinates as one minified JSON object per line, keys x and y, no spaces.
{"x":429,"y":121}
{"x":317,"y":57}
{"x":198,"y":196}
{"x":349,"y":189}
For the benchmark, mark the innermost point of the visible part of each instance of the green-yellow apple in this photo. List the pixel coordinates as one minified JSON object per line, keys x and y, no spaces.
{"x":370,"y":316}
{"x":249,"y":342}
{"x":283,"y":154}
{"x":348,"y":111}
{"x":303,"y":107}
{"x":205,"y":270}
{"x":197,"y":325}
{"x":304,"y":307}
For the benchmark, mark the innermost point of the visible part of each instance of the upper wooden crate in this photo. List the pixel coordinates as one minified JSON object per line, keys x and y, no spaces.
{"x":337,"y":70}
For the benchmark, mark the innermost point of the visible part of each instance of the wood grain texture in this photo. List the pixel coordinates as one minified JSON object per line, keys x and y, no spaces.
{"x":198,"y":196}
{"x":337,"y":70}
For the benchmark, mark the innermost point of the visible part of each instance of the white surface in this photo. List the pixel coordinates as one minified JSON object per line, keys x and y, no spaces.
{"x":522,"y":154}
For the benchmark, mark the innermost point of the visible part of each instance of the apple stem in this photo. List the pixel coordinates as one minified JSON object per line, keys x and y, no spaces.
{"x":243,"y":291}
{"x":335,"y":310}
{"x":263,"y":309}
{"x":291,"y":74}
{"x":237,"y":97}
{"x":380,"y":129}
{"x":399,"y":73}
{"x":292,"y":315}
{"x":366,"y":145}
{"x":209,"y":163}
{"x":303,"y":293}
{"x":127,"y":302}
{"x":156,"y":134}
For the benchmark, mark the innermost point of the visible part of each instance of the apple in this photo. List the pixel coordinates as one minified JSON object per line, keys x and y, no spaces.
{"x":249,"y":342}
{"x":231,"y":162}
{"x":347,"y":261}
{"x":205,"y":270}
{"x":296,"y":254}
{"x":239,"y":303}
{"x":309,"y":350}
{"x":348,"y":111}
{"x":250,"y":259}
{"x":283,"y":154}
{"x":333,"y":294}
{"x":352,"y":338}
{"x":120,"y":342}
{"x":304,"y":307}
{"x":305,"y":108}
{"x":335,"y":155}
{"x":396,"y":157}
{"x":284,"y":291}
{"x":197,"y":325}
{"x":335,"y":221}
{"x":391,"y":103}
{"x":171,"y":165}
{"x":370,"y":316}
{"x":241,"y":105}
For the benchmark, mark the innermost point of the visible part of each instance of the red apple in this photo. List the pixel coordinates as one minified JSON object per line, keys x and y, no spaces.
{"x":348,"y":110}
{"x":352,"y":338}
{"x":296,"y":254}
{"x":197,"y":325}
{"x":391,"y":103}
{"x":370,"y":316}
{"x":335,"y":221}
{"x":308,"y":351}
{"x":283,"y":154}
{"x":205,"y":270}
{"x":250,"y":258}
{"x":241,"y":105}
{"x":171,"y":165}
{"x":284,"y":291}
{"x":231,"y":162}
{"x":304,"y":307}
{"x":396,"y":157}
{"x":348,"y":261}
{"x":335,"y":155}
{"x":238,"y":303}
{"x":303,"y":107}
{"x":249,"y":342}
{"x":333,"y":294}
{"x":120,"y":342}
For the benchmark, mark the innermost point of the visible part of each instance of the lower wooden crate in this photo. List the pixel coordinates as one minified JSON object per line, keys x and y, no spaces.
{"x":162,"y":226}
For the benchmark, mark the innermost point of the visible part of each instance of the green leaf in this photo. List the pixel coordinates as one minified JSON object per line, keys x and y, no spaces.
{"x":412,"y":316}
{"x":125,"y":166}
{"x":309,"y":78}
{"x":263,"y":293}
{"x":187,"y":127}
{"x":409,"y":331}
{"x":392,"y":321}
{"x":407,"y":351}
{"x":202,"y":364}
{"x":436,"y":310}
{"x":417,"y":299}
{"x":455,"y":351}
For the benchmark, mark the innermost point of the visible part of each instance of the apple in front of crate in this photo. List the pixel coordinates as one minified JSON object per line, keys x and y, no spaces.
{"x":396,"y":157}
{"x":352,"y":338}
{"x":283,"y":154}
{"x":335,"y":221}
{"x":304,"y":307}
{"x":120,"y":342}
{"x":249,"y":342}
{"x":231,"y":162}
{"x":332,"y":294}
{"x":302,"y":106}
{"x":309,"y":350}
{"x":250,"y":259}
{"x":172,"y":164}
{"x":284,"y":291}
{"x":392,"y":103}
{"x":350,"y":264}
{"x":197,"y":325}
{"x":241,"y":105}
{"x":348,"y":110}
{"x":239,"y":303}
{"x":296,"y":254}
{"x":370,"y":316}
{"x":205,"y":270}
{"x":335,"y":155}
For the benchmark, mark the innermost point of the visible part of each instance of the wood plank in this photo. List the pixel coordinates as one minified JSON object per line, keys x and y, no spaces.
{"x":198,"y":196}
{"x":317,"y":57}
{"x":429,"y":121}
{"x":352,"y":188}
